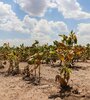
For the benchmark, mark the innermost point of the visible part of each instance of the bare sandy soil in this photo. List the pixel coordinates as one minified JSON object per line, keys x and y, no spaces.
{"x":14,"y":88}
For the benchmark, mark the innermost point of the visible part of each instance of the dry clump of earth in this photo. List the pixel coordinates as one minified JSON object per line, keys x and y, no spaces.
{"x":14,"y":88}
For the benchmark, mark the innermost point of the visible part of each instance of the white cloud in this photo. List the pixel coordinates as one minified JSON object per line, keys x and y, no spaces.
{"x":42,"y":30}
{"x":83,"y":31}
{"x":69,"y":8}
{"x":9,"y":21}
{"x":33,"y":7}
{"x":43,"y":26}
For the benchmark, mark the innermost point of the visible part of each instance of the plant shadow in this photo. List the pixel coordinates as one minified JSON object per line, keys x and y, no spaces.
{"x":77,"y":68}
{"x":32,"y":80}
{"x":64,"y":92}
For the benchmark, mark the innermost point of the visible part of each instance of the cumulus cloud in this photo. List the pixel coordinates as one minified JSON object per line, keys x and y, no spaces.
{"x":33,"y":7}
{"x":69,"y":8}
{"x":44,"y":26}
{"x":83,"y":31}
{"x":9,"y":21}
{"x":42,"y":30}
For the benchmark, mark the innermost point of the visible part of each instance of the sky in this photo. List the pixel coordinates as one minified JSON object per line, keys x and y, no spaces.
{"x":24,"y":21}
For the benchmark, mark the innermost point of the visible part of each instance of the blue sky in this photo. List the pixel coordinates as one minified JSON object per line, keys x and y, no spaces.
{"x":23,"y":21}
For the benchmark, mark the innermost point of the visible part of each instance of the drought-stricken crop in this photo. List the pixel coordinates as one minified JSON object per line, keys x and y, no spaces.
{"x":67,"y":52}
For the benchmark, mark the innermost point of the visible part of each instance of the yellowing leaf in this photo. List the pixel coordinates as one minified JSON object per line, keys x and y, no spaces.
{"x":61,"y":57}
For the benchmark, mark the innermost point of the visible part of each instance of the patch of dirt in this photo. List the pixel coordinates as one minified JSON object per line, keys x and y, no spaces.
{"x":14,"y":88}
